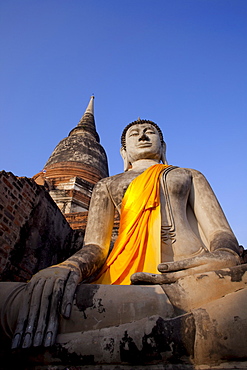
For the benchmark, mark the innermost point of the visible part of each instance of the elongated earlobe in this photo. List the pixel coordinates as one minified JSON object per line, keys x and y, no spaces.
{"x":127,"y":164}
{"x":163,"y":153}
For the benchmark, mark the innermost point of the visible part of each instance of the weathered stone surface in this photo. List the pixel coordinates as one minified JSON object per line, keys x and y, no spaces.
{"x":72,"y":196}
{"x":221,"y":328}
{"x":212,"y":333}
{"x":82,"y":149}
{"x":137,"y":326}
{"x":98,"y":307}
{"x":33,"y":232}
{"x":193,"y":291}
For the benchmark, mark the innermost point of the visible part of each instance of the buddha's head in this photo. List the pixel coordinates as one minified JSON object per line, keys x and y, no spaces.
{"x":142,"y":139}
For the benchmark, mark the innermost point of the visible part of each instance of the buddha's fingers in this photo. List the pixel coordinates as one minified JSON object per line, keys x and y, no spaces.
{"x":166,"y":278}
{"x":145,"y":278}
{"x":69,"y":292}
{"x":33,"y":314}
{"x":182,"y":264}
{"x":52,"y":326}
{"x":23,"y":314}
{"x":211,"y":261}
{"x":44,"y":309}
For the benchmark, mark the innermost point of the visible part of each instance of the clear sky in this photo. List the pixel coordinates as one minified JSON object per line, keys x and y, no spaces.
{"x":180,"y":63}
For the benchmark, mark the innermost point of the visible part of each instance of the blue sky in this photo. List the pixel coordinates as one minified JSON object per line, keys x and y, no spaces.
{"x":180,"y":63}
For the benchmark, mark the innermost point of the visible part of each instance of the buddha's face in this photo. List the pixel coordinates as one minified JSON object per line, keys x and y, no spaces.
{"x":143,"y":142}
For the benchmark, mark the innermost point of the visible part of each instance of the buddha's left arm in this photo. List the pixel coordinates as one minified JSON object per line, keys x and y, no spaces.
{"x":210,"y":216}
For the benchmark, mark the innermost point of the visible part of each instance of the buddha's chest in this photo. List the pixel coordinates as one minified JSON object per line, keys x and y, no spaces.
{"x":175,"y":185}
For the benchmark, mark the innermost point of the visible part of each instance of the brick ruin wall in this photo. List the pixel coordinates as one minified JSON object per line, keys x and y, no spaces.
{"x":33,"y":232}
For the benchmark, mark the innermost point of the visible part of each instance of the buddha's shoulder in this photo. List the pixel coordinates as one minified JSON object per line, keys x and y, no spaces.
{"x":189,"y":171}
{"x":193,"y":172}
{"x":180,"y":173}
{"x":119,"y":180}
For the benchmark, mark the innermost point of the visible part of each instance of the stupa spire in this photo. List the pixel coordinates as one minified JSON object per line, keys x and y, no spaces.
{"x":86,"y":124}
{"x":90,"y":107}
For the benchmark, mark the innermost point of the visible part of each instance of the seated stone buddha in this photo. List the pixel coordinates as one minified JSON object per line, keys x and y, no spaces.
{"x":174,"y":267}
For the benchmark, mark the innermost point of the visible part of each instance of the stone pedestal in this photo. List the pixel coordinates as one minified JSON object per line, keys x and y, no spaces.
{"x":127,"y":327}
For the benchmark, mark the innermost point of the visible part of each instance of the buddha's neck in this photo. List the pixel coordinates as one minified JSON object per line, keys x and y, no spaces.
{"x":143,"y":164}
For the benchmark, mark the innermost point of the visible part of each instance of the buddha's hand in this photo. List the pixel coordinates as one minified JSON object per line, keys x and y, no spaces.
{"x":172,"y":271}
{"x":49,"y":292}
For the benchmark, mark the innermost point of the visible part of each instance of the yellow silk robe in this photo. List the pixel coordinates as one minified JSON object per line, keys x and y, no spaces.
{"x":137,"y":247}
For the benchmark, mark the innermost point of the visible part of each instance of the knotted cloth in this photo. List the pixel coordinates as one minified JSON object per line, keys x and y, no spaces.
{"x":137,"y":247}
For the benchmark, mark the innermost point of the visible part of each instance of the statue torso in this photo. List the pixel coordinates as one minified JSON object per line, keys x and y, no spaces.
{"x":179,"y":232}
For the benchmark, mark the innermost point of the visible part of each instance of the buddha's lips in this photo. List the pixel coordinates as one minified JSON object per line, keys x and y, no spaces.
{"x":143,"y":145}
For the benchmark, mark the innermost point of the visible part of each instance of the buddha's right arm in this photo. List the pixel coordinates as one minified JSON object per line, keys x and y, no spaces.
{"x":98,"y":232}
{"x":52,"y":290}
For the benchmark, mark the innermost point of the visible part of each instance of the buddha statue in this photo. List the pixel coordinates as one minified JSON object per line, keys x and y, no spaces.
{"x":173,"y":238}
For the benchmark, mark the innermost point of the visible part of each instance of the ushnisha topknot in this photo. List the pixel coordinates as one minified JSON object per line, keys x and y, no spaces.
{"x":137,"y":122}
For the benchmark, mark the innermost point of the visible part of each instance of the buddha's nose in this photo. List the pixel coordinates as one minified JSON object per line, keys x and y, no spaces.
{"x":144,"y":137}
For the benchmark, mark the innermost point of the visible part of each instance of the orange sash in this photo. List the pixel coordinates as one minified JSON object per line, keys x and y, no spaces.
{"x":137,"y":247}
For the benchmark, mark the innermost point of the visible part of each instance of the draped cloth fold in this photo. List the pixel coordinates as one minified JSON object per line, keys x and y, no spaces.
{"x":137,"y":247}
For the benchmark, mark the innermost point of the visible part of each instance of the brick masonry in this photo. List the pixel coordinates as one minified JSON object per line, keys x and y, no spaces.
{"x":33,"y":232}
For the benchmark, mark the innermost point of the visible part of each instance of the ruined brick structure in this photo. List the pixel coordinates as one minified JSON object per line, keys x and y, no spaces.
{"x":33,"y":232}
{"x":43,"y":220}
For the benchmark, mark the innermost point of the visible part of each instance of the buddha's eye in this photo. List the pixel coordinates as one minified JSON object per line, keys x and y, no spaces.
{"x":133,"y":133}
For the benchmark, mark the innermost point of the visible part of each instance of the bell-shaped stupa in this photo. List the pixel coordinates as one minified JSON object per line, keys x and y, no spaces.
{"x":77,"y":163}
